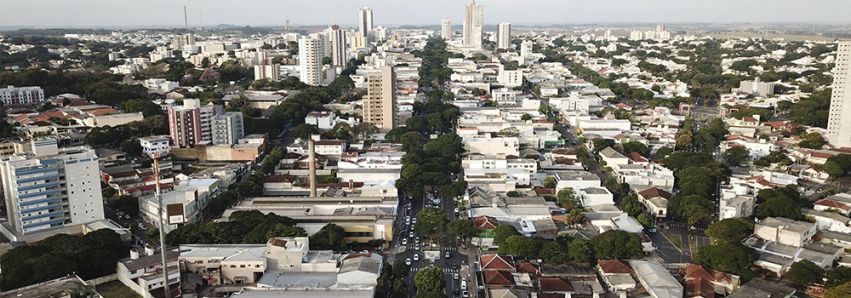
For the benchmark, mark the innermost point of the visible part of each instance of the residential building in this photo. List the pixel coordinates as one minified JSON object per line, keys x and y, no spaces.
{"x":839,"y":119}
{"x":707,"y":283}
{"x":12,"y":95}
{"x":189,"y":124}
{"x":509,"y":78}
{"x":310,"y":55}
{"x":50,"y":188}
{"x":225,"y":264}
{"x":446,"y":29}
{"x":227,"y":128}
{"x":143,"y":274}
{"x":379,"y":105}
{"x":658,"y":282}
{"x":785,"y":231}
{"x":267,"y":71}
{"x":473,"y":25}
{"x":655,"y":200}
{"x":616,"y":275}
{"x":365,"y":23}
{"x":339,"y":51}
{"x":503,"y":36}
{"x":758,"y":287}
{"x":155,"y":145}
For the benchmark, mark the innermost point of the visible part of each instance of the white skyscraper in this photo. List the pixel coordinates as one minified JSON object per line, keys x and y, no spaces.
{"x":474,"y":16}
{"x":446,"y":29}
{"x":310,"y":60}
{"x":365,"y":22}
{"x":839,"y":121}
{"x":339,"y":51}
{"x":503,"y":36}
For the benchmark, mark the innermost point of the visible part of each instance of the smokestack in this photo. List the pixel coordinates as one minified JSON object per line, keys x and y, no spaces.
{"x":185,"y":18}
{"x":311,"y":151}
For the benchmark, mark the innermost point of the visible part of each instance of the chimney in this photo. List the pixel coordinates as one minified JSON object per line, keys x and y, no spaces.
{"x":311,"y":151}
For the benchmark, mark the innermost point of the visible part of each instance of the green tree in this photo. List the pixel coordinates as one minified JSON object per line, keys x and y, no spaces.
{"x":330,"y":237}
{"x":463,"y":228}
{"x":526,"y":117}
{"x":812,"y":141}
{"x":579,"y":250}
{"x":364,"y":131}
{"x":146,"y":107}
{"x":630,"y":147}
{"x":616,"y":244}
{"x":805,"y":273}
{"x":550,"y":182}
{"x":696,"y":209}
{"x":431,"y":222}
{"x":553,"y":253}
{"x":304,"y":131}
{"x":732,"y":230}
{"x":782,"y":202}
{"x":736,"y":156}
{"x":728,"y":257}
{"x":430,"y":279}
{"x":502,"y":232}
{"x":567,"y":198}
{"x":837,"y":276}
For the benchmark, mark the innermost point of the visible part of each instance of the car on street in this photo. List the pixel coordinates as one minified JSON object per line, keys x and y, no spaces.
{"x":416,"y":257}
{"x":411,"y":234}
{"x":455,"y":276}
{"x":404,"y":241}
{"x":417,"y":240}
{"x":414,"y":221}
{"x":465,"y":294}
{"x":447,"y":255}
{"x":416,"y":247}
{"x":407,"y":262}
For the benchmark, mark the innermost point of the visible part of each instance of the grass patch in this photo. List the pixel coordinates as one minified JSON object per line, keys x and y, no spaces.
{"x":676,"y":240}
{"x":116,"y":289}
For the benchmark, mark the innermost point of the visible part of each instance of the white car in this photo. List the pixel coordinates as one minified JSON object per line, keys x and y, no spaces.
{"x":416,"y":247}
{"x":411,"y":234}
{"x":404,"y":241}
{"x":408,"y":261}
{"x":455,"y":276}
{"x":414,"y":221}
{"x":416,"y":257}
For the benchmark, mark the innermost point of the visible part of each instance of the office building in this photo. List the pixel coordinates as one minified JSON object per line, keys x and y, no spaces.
{"x":365,"y":22}
{"x":473,"y":24}
{"x":227,"y":129}
{"x":446,"y":29}
{"x":339,"y":52}
{"x":379,"y":106}
{"x":503,"y":36}
{"x":12,"y":95}
{"x":51,"y":188}
{"x":839,"y":121}
{"x":189,"y":124}
{"x":310,"y":60}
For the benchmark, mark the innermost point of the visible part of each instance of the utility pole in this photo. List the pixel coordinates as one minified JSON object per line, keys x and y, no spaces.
{"x":163,"y":251}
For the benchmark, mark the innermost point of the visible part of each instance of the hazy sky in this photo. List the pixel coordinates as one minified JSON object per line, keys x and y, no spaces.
{"x":95,"y":13}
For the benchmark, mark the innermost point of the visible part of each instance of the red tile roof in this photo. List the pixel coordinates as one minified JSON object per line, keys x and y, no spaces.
{"x":555,"y":284}
{"x":495,"y":278}
{"x":655,"y":192}
{"x":485,"y":222}
{"x":832,"y":204}
{"x":497,"y":262}
{"x":613,"y":267}
{"x":528,"y":267}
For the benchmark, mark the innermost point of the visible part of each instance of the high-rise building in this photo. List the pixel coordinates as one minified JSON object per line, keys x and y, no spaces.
{"x":227,"y":128}
{"x":310,"y":60}
{"x":190,"y":124}
{"x":446,"y":29}
{"x":473,"y":25}
{"x":267,"y":71}
{"x":339,"y":51}
{"x":357,"y":42}
{"x":839,"y":119}
{"x":12,"y":95}
{"x":50,"y":188}
{"x":379,"y":107}
{"x":365,"y":22}
{"x":526,"y":48}
{"x":503,"y":36}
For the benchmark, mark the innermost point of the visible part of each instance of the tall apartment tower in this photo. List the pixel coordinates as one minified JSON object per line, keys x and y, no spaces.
{"x":839,"y":120}
{"x":51,"y":188}
{"x":310,"y":60}
{"x":473,"y":22}
{"x":191,"y":124}
{"x":446,"y":29}
{"x":503,"y":36}
{"x":379,"y":108}
{"x":365,"y":22}
{"x":339,"y":51}
{"x":227,"y":128}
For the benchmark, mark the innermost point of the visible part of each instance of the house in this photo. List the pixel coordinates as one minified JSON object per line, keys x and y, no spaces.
{"x":658,"y":282}
{"x":656,"y":201}
{"x":612,"y":158}
{"x":702,"y":282}
{"x":497,"y":262}
{"x":220,"y":264}
{"x":840,"y":203}
{"x":593,"y":196}
{"x":785,"y":231}
{"x":762,"y":288}
{"x":143,"y":274}
{"x":828,"y":220}
{"x":616,"y":275}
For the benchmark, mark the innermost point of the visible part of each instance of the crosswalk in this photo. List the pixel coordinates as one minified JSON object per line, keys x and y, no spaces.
{"x":445,"y":270}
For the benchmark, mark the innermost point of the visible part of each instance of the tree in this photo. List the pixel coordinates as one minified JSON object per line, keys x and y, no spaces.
{"x":304,"y":131}
{"x":837,"y":276}
{"x":431,"y":222}
{"x":567,"y":198}
{"x":805,"y":273}
{"x":616,"y":244}
{"x":430,"y":279}
{"x":732,"y":230}
{"x":553,"y":253}
{"x":330,"y":237}
{"x":784,"y":202}
{"x":127,"y":204}
{"x":579,"y":250}
{"x":146,"y":107}
{"x":736,"y":156}
{"x":364,"y":131}
{"x":841,"y":291}
{"x":501,"y":233}
{"x":550,"y":182}
{"x":630,"y":147}
{"x":812,"y":141}
{"x":463,"y":228}
{"x":728,"y":257}
{"x":526,"y":117}
{"x":696,"y":209}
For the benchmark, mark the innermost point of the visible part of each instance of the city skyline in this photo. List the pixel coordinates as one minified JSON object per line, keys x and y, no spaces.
{"x":161,"y":13}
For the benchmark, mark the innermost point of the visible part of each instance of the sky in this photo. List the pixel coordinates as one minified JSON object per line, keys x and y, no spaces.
{"x":166,"y":13}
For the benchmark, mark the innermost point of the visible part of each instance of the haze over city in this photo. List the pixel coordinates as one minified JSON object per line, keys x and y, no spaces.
{"x":160,"y":13}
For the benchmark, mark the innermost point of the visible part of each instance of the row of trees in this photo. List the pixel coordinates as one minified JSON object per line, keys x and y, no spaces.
{"x":612,"y":244}
{"x":242,"y":227}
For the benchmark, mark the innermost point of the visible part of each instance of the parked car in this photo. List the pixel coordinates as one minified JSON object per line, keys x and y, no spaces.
{"x":408,"y":261}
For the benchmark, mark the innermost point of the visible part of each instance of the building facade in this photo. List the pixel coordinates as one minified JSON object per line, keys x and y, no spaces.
{"x":12,"y":95}
{"x":379,"y":106}
{"x":365,"y":22}
{"x":227,"y":128}
{"x":503,"y":36}
{"x":310,"y":60}
{"x":446,"y":29}
{"x":190,"y":124}
{"x":839,"y":119}
{"x":473,"y":25}
{"x":339,"y":51}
